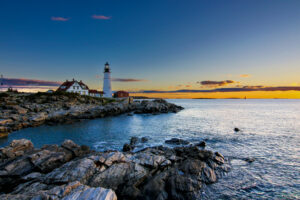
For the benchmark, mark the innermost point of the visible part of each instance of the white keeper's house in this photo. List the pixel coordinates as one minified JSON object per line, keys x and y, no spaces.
{"x":74,"y":86}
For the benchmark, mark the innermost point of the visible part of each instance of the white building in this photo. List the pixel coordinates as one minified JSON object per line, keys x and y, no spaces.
{"x":107,"y":81}
{"x":95,"y":93}
{"x":74,"y":87}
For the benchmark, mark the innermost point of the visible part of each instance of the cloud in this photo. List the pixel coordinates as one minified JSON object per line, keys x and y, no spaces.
{"x":245,"y":75}
{"x":22,"y":82}
{"x":101,"y":17}
{"x":62,"y":19}
{"x":127,"y":80}
{"x":234,"y":89}
{"x":216,"y":83}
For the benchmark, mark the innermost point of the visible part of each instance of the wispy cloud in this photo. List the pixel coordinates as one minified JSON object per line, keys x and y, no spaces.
{"x":245,"y":75}
{"x":101,"y":17}
{"x":62,"y":19}
{"x":216,"y":83}
{"x":128,"y":80}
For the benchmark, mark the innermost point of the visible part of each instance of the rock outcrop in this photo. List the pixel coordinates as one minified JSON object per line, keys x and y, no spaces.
{"x":72,"y":172}
{"x":19,"y":111}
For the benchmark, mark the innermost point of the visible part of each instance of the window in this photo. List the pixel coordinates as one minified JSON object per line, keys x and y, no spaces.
{"x":74,"y":87}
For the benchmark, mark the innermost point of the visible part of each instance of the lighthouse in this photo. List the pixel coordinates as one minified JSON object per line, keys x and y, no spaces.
{"x":107,"y":81}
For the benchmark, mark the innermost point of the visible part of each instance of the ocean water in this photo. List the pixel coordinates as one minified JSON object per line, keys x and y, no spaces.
{"x":270,"y":133}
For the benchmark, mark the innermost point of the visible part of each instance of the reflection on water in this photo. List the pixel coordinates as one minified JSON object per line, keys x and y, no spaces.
{"x":270,"y":133}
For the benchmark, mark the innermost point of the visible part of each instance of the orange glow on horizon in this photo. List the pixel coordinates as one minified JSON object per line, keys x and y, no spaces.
{"x":225,"y":95}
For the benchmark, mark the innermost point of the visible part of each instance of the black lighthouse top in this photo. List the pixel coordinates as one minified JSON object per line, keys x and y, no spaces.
{"x":106,"y":68}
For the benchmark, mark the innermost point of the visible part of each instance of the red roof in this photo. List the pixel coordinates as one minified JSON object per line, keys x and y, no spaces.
{"x":67,"y":84}
{"x":121,"y":91}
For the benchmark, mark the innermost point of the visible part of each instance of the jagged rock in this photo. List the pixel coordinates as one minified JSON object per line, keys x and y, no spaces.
{"x":88,"y":193}
{"x":201,"y":144}
{"x":219,"y":158}
{"x":74,"y":148}
{"x":134,"y":140}
{"x":38,"y":119}
{"x":151,"y":173}
{"x":127,"y":147}
{"x":79,"y":170}
{"x":5,"y":121}
{"x":112,"y":157}
{"x":148,"y":159}
{"x":72,"y":191}
{"x":118,"y":174}
{"x":16,"y":148}
{"x":19,"y":110}
{"x":144,"y":139}
{"x":46,"y":160}
{"x":40,"y":108}
{"x":176,"y":141}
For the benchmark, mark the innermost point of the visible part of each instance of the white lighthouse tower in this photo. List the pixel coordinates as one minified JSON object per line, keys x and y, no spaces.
{"x":107,"y":81}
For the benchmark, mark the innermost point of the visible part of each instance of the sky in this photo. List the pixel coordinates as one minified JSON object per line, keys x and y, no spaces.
{"x":156,"y":48}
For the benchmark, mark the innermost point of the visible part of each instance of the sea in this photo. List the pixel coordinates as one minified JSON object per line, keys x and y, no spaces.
{"x":269,"y":134}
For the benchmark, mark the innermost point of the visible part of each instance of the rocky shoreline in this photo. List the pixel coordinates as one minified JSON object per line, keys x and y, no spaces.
{"x":70,"y":171}
{"x":21,"y":110}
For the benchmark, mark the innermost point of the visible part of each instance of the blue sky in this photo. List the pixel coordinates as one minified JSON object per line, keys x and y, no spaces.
{"x":166,"y":42}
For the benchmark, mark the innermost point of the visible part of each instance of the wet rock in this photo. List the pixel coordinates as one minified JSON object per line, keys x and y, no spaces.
{"x":249,"y":160}
{"x":219,"y":158}
{"x":201,"y":144}
{"x":127,"y":147}
{"x":208,"y":175}
{"x":177,"y":141}
{"x":236,"y":129}
{"x":134,"y":140}
{"x":144,"y":139}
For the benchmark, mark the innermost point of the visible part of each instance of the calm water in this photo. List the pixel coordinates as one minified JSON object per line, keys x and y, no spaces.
{"x":270,"y":133}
